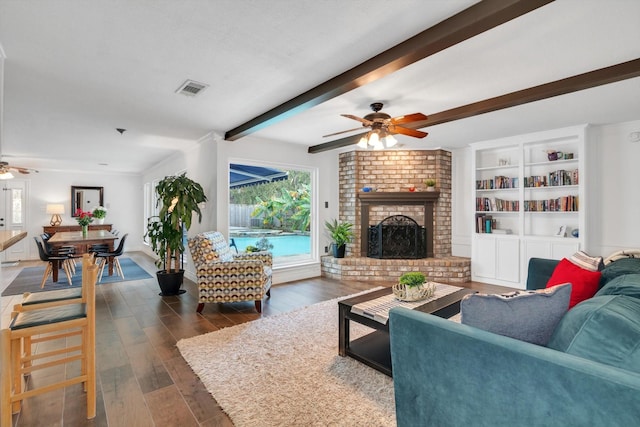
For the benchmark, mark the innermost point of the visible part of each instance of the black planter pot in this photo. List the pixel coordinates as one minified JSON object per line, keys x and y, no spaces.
{"x":338,"y":251}
{"x":170,"y":283}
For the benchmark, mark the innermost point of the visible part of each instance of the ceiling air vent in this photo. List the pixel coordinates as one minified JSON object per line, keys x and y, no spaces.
{"x":191,"y":88}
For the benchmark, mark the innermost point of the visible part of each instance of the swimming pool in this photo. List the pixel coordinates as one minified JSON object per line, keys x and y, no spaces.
{"x":283,"y":245}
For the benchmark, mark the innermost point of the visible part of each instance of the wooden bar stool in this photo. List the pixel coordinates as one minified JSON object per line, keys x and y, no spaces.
{"x":36,"y":323}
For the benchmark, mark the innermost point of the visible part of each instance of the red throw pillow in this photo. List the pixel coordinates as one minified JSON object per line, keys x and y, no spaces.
{"x":584,"y":282}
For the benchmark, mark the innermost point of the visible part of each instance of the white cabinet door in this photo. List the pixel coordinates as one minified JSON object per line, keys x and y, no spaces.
{"x":483,"y":263}
{"x":508,"y":260}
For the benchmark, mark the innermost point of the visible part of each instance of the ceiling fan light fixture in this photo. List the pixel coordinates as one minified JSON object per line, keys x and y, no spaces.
{"x":383,"y":126}
{"x":374,"y":139}
{"x":378,"y":145}
{"x":6,"y":175}
{"x":390,"y":141}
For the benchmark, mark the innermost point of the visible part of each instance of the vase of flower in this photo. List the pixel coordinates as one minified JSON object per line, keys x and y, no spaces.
{"x":84,"y":219}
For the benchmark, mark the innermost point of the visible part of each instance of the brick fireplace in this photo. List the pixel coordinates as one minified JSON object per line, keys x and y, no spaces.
{"x":392,"y":172}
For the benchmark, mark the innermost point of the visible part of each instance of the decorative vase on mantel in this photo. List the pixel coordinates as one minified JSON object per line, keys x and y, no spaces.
{"x":85,"y":230}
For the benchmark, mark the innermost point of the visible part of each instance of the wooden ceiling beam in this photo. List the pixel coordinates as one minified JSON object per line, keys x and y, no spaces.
{"x":602,"y":76}
{"x":470,"y":22}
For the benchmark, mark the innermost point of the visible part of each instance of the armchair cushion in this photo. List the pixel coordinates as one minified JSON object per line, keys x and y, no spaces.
{"x":211,"y":246}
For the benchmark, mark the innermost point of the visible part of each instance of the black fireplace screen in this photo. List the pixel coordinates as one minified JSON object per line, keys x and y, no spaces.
{"x":397,"y":237}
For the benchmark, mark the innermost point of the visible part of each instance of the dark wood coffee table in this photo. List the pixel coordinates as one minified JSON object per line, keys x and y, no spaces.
{"x":373,"y":349}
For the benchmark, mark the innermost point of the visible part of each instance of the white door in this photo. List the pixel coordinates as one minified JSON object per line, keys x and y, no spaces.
{"x":13,"y":208}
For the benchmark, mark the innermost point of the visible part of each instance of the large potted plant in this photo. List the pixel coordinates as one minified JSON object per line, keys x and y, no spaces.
{"x":341,"y":234}
{"x":178,"y":198}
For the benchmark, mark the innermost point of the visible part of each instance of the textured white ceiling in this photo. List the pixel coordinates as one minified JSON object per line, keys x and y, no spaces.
{"x":76,"y":70}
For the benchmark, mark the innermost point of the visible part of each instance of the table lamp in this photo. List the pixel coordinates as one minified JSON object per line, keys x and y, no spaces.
{"x":55,"y":210}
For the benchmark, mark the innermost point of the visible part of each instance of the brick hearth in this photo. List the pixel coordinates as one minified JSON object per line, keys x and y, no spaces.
{"x":396,"y":171}
{"x":446,"y":269}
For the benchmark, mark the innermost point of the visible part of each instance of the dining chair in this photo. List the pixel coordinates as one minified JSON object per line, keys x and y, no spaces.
{"x":98,"y":247}
{"x":38,"y":325}
{"x":63,"y":261}
{"x":103,"y":258}
{"x":68,"y":251}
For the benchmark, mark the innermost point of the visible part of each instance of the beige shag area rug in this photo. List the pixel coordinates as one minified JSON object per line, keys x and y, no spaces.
{"x":284,"y":370}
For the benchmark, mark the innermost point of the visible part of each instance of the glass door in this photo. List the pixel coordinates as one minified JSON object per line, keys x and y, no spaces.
{"x":13,"y":217}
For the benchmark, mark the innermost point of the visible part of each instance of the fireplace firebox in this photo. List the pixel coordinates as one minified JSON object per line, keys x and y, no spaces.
{"x":426,"y":199}
{"x":397,"y":237}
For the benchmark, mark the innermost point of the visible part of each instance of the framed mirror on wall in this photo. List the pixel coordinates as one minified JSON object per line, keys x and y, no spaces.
{"x":86,"y":198}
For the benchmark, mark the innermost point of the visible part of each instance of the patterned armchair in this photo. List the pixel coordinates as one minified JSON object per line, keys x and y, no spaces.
{"x":227,"y":277}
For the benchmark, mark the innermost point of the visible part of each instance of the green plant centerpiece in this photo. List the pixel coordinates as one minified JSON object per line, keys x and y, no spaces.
{"x":430,"y":183}
{"x":100,"y":213}
{"x":341,"y":234}
{"x":178,"y":198}
{"x":413,"y":286}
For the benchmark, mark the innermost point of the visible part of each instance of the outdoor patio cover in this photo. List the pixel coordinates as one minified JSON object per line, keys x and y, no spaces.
{"x":245,"y":175}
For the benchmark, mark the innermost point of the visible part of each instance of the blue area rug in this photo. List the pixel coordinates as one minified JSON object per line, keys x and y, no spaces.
{"x":29,"y":278}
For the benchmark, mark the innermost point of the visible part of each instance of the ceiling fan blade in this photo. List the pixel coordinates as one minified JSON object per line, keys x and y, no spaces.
{"x":406,"y":131}
{"x":344,"y":131}
{"x":408,"y":118}
{"x":360,"y":119}
{"x":22,"y":170}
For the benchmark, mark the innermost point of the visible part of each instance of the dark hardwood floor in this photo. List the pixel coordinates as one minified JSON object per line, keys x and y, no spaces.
{"x":142,"y":379}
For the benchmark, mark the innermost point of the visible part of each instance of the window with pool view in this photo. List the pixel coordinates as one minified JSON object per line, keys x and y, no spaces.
{"x":270,"y":209}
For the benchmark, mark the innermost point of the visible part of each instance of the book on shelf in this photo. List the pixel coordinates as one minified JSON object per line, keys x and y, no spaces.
{"x":498,"y":182}
{"x":553,"y":179}
{"x":559,"y":204}
{"x":485,"y":223}
{"x":490,"y":204}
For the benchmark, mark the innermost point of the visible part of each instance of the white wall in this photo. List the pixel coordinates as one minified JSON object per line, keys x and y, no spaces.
{"x":208,"y":165}
{"x":618,"y":188}
{"x":614,"y":177}
{"x":122,"y":198}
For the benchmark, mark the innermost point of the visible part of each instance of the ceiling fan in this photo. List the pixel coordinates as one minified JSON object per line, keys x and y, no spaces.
{"x":383,"y":126}
{"x":5,"y":170}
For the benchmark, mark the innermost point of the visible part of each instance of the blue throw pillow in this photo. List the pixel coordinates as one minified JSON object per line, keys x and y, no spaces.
{"x":525,"y":315}
{"x":627,"y":284}
{"x":604,"y":329}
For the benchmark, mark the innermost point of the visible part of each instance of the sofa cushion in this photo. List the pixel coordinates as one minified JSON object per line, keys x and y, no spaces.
{"x":620,"y":267}
{"x":586,"y":261}
{"x":528,"y":316}
{"x":627,"y":284}
{"x":585,"y":283}
{"x":604,"y":329}
{"x":539,"y":272}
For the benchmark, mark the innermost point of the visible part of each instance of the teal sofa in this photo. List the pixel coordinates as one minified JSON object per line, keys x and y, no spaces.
{"x":450,"y":374}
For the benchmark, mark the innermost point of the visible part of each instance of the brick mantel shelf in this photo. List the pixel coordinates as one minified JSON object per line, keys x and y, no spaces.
{"x":425,"y":198}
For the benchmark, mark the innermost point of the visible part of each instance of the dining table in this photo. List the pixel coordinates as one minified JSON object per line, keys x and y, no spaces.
{"x":82,"y":243}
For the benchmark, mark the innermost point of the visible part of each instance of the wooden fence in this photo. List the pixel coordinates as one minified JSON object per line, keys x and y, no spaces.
{"x":240,"y":216}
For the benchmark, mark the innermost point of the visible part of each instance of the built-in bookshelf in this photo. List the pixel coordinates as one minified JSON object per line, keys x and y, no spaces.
{"x":528,"y":193}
